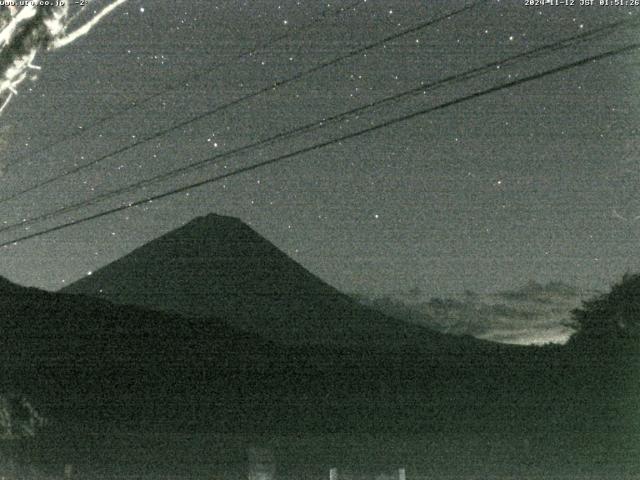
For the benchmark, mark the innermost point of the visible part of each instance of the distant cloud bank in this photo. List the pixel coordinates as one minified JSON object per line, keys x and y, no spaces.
{"x":533,"y":314}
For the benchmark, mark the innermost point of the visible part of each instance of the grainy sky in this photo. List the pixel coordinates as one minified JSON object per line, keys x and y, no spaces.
{"x":536,"y":182}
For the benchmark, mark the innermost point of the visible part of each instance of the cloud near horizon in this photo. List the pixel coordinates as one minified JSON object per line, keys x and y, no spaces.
{"x":533,"y":314}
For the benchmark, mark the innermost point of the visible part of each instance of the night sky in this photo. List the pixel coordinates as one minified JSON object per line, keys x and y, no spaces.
{"x":537,"y":182}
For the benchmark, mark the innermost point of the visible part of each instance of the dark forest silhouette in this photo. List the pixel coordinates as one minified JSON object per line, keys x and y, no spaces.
{"x":610,"y":321}
{"x":92,"y":366}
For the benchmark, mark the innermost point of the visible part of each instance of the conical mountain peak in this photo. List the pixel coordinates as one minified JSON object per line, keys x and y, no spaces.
{"x":219,"y":266}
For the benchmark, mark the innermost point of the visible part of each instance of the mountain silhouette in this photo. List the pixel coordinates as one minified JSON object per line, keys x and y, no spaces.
{"x":78,"y":354}
{"x":136,"y":389}
{"x":216,"y":332}
{"x":218,"y":266}
{"x":91,"y":365}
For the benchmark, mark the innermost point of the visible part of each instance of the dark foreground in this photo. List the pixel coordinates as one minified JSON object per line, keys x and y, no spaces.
{"x":129,"y":392}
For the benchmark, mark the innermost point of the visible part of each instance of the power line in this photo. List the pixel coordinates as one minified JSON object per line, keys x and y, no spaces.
{"x":422,"y":88}
{"x":320,"y":145}
{"x":239,"y":100}
{"x":193,"y":78}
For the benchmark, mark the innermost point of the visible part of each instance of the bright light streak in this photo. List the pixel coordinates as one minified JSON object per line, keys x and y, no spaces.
{"x":26,"y":31}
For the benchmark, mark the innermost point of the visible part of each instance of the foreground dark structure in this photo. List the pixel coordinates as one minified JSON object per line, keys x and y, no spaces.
{"x":139,"y":391}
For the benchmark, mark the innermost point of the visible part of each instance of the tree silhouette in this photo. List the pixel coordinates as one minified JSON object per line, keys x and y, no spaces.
{"x":611,"y":320}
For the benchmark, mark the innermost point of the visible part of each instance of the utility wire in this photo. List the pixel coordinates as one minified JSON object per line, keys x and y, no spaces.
{"x":422,"y":88}
{"x":249,"y":96}
{"x":280,"y":158}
